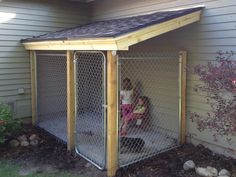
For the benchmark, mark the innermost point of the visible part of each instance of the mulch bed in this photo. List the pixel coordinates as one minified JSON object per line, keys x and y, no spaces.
{"x":168,"y":164}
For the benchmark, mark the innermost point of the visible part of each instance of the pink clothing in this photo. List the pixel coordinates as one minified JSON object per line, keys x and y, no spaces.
{"x":126,"y":110}
{"x":129,"y":113}
{"x":133,"y":116}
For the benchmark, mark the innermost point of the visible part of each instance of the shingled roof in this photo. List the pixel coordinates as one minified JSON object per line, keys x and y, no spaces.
{"x":111,"y":28}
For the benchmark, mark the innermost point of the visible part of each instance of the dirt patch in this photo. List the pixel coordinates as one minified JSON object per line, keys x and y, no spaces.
{"x":52,"y":153}
{"x":170,"y":164}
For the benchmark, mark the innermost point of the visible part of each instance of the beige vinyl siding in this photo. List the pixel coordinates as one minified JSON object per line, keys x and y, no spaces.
{"x":216,"y":31}
{"x":31,"y":18}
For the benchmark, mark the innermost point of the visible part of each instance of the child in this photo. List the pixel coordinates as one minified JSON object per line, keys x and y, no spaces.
{"x":138,"y":114}
{"x":126,"y":95}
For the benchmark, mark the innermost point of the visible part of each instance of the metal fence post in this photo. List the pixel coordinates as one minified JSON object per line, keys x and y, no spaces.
{"x":182,"y":94}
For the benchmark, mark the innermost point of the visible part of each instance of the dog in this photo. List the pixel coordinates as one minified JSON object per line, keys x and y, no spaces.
{"x":134,"y":145}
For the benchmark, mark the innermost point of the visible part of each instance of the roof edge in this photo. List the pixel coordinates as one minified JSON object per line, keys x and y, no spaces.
{"x":82,"y":44}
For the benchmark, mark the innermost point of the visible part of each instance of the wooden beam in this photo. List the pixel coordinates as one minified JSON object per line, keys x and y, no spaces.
{"x":70,"y":102}
{"x":33,"y":87}
{"x":182,"y":102}
{"x":112,"y":118}
{"x":156,"y":30}
{"x":83,"y":44}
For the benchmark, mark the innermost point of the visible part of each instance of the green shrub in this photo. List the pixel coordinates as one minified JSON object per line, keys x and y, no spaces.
{"x":8,"y":125}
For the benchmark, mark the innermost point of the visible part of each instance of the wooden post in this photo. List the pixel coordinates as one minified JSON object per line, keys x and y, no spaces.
{"x":70,"y":102}
{"x":182,"y":94}
{"x":33,"y":86}
{"x":112,"y":121}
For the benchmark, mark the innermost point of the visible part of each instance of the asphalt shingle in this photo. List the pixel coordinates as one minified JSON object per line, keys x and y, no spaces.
{"x":112,"y":28}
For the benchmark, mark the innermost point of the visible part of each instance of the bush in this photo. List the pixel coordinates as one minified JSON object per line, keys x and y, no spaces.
{"x":8,"y":125}
{"x":219,"y":84}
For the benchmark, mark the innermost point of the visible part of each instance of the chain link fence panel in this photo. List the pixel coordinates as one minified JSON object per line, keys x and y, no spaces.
{"x":149,"y":112}
{"x":90,"y":101}
{"x":51,"y":93}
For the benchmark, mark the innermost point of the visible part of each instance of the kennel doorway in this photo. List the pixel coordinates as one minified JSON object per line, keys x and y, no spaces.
{"x":90,"y":74}
{"x":51,"y":93}
{"x":154,"y":78}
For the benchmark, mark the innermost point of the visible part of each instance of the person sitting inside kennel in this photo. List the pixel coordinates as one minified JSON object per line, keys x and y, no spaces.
{"x":138,"y":114}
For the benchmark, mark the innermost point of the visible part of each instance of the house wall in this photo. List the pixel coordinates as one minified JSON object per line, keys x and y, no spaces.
{"x":26,"y":18}
{"x":216,"y":31}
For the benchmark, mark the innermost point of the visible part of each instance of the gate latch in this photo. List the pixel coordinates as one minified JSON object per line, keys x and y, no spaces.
{"x":104,"y":105}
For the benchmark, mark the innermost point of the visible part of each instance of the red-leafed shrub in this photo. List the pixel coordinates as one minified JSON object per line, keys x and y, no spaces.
{"x":219,"y":84}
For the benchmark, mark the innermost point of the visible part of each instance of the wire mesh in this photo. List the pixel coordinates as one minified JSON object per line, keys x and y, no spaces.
{"x":51,"y":93}
{"x":91,"y":113}
{"x":149,"y":122}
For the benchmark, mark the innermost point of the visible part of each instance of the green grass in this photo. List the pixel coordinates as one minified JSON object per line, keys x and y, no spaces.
{"x":8,"y":169}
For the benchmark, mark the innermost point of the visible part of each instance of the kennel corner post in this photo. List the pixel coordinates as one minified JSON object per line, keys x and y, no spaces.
{"x":70,"y":101}
{"x":112,"y":111}
{"x":182,"y":94}
{"x":33,"y":86}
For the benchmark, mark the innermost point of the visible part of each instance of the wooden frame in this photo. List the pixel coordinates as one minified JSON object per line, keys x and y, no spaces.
{"x":70,"y":101}
{"x":119,"y":43}
{"x":182,"y":94}
{"x":33,"y":87}
{"x":112,"y":111}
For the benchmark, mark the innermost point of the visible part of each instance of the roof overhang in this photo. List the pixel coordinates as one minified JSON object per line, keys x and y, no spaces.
{"x":122,"y":42}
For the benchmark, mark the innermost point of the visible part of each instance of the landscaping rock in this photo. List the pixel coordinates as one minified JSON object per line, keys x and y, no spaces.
{"x":203,"y":172}
{"x":224,"y":172}
{"x":34,"y":142}
{"x":213,"y":171}
{"x":22,"y":138}
{"x":14,"y":143}
{"x":24,"y":143}
{"x":189,"y":165}
{"x":34,"y":137}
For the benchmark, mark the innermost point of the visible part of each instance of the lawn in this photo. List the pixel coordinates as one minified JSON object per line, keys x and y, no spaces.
{"x":8,"y":169}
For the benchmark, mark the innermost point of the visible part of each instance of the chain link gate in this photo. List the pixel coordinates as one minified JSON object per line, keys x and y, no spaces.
{"x":51,"y":93}
{"x":149,"y":109}
{"x":90,"y":73}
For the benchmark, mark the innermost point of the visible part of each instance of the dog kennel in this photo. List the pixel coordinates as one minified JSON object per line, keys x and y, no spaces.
{"x":77,"y":76}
